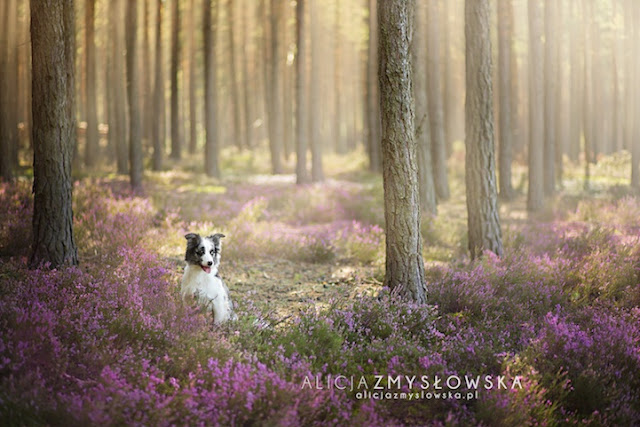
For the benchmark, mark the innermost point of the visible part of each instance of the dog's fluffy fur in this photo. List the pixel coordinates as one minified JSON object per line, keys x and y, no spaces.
{"x":201,"y":280}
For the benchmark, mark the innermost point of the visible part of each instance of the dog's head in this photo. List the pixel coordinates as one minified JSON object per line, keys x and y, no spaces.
{"x":204,"y":251}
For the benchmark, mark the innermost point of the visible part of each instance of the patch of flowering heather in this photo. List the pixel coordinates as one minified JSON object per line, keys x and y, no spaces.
{"x":621,"y":213}
{"x":16,"y":213}
{"x":599,"y":349}
{"x":105,"y":222}
{"x":363,"y":243}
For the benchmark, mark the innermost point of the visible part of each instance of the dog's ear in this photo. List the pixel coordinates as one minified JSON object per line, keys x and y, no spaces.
{"x":217,"y":236}
{"x":191,"y":236}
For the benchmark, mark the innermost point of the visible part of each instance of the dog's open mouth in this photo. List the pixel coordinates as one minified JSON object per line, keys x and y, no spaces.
{"x":206,"y":269}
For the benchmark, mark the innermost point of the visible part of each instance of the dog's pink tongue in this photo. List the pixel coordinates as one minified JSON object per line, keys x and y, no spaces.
{"x":206,"y":269}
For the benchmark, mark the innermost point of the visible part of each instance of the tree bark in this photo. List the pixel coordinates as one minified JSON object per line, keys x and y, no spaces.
{"x":505,"y":43}
{"x":133,"y":95}
{"x":302,"y":123}
{"x":436,"y":113}
{"x":158,"y":133}
{"x":404,"y":265}
{"x":53,"y":50}
{"x":535,"y":193}
{"x":426,"y":186}
{"x":480,"y":177}
{"x":211,"y":164}
{"x":176,"y":137}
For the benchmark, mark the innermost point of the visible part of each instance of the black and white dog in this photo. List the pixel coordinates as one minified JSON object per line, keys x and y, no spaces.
{"x":201,"y":280}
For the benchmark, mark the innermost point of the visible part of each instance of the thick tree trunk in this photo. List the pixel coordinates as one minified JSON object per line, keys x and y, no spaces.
{"x":436,"y":113}
{"x":133,"y":95}
{"x":372,"y":134}
{"x":158,"y":134}
{"x":302,"y":124}
{"x":53,"y":50}
{"x":404,"y":265}
{"x":211,"y":157}
{"x":480,"y":177}
{"x":423,"y":136}
{"x":176,"y":137}
{"x":505,"y":43}
{"x":535,"y":193}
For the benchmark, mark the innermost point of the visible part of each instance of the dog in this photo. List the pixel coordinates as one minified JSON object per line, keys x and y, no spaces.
{"x":201,"y":280}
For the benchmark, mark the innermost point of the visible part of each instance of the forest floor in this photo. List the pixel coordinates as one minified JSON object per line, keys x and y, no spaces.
{"x":309,"y":260}
{"x":283,"y":284}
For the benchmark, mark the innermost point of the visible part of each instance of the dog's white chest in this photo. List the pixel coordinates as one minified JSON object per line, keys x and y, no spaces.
{"x":208,"y":290}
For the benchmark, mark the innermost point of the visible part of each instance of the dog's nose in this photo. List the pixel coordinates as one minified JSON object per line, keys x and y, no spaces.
{"x":210,"y":263}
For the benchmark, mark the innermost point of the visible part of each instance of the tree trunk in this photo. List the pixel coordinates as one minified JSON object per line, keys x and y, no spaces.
{"x":248,"y":95}
{"x":561,"y":116}
{"x":480,"y":176}
{"x":119,"y":91}
{"x":449,"y":94}
{"x":635,"y":107}
{"x":550,"y":89}
{"x":147,"y":96}
{"x":338,"y":122}
{"x":158,"y":133}
{"x":193,"y":101}
{"x":588,"y":117}
{"x":235,"y":97}
{"x":302,"y":124}
{"x":92,"y":137}
{"x":53,"y":50}
{"x":436,"y":114}
{"x":373,"y":96}
{"x":211,"y":158}
{"x":276,"y":121}
{"x":505,"y":43}
{"x":535,"y":194}
{"x":317,"y":173}
{"x":576,"y":104}
{"x":426,"y":186}
{"x":133,"y":95}
{"x":404,"y":265}
{"x":176,"y":137}
{"x":7,"y":128}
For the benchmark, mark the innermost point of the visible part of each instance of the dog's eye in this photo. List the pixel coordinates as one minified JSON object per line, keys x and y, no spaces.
{"x":211,"y":252}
